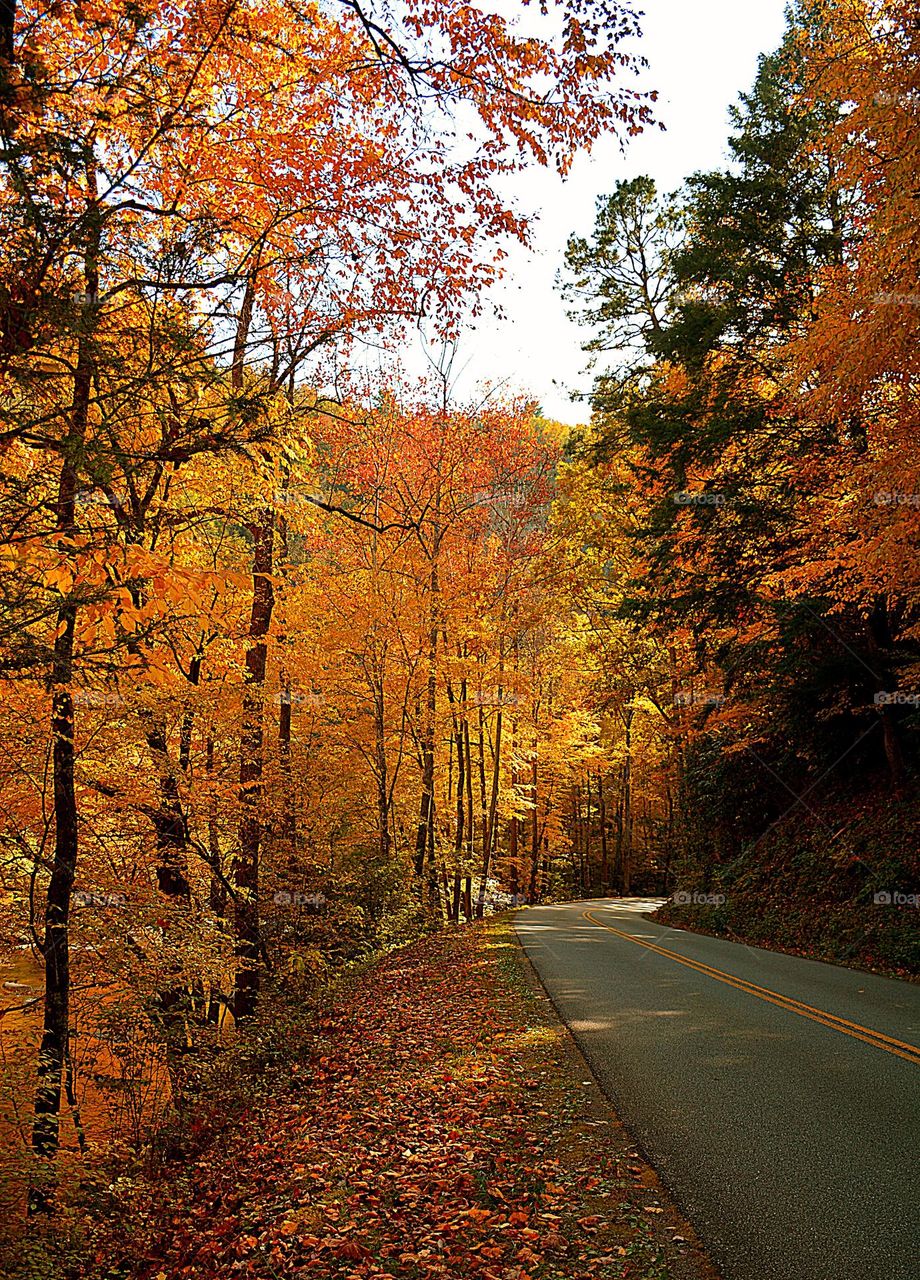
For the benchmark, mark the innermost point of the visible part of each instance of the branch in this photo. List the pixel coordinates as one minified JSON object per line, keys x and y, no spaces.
{"x":356,"y":519}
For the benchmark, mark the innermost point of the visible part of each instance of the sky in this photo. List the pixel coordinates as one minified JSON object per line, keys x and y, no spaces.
{"x":701,"y":54}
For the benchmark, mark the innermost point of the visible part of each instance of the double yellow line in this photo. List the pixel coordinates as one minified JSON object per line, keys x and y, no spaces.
{"x":875,"y":1038}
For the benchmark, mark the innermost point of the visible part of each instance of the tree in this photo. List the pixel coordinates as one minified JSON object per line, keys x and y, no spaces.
{"x":758,"y":566}
{"x":193,"y":206}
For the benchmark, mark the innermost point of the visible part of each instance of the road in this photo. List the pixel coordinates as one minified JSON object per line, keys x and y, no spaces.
{"x":785,"y":1119}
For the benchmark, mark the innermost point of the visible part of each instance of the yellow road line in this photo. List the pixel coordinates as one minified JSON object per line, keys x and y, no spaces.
{"x":875,"y":1038}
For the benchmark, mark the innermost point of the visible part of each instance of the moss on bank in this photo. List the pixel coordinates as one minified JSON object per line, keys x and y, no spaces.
{"x":840,"y":883}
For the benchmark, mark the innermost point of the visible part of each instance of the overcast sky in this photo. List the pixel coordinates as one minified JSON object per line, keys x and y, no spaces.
{"x":702,"y":53}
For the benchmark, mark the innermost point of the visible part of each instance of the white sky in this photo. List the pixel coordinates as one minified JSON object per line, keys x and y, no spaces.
{"x":701,"y":54}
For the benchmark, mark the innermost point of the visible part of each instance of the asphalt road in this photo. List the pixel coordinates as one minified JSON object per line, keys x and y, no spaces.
{"x":789,"y":1135}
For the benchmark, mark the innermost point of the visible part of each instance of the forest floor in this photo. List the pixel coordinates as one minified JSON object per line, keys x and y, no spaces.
{"x":443,"y":1125}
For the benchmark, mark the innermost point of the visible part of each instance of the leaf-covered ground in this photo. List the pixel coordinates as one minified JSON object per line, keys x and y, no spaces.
{"x":444,"y":1126}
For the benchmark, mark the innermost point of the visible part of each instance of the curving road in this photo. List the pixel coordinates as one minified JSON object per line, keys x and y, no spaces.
{"x":779,"y":1098}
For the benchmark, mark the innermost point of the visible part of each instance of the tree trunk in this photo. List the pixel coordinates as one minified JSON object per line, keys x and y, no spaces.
{"x":383,"y":785}
{"x":455,"y":906}
{"x":54,"y":1051}
{"x":457,"y":715}
{"x":879,"y":642}
{"x":493,"y":796}
{"x":626,"y":864}
{"x":188,"y":719}
{"x":483,"y":804}
{"x":534,"y":836}
{"x":434,"y":888}
{"x":602,"y":818}
{"x":171,"y":1007}
{"x":289,"y":807}
{"x":424,"y":839}
{"x":679,"y":738}
{"x":168,"y":818}
{"x":217,"y":894}
{"x":247,"y":935}
{"x":54,"y":1048}
{"x":588,"y":877}
{"x":468,"y":770}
